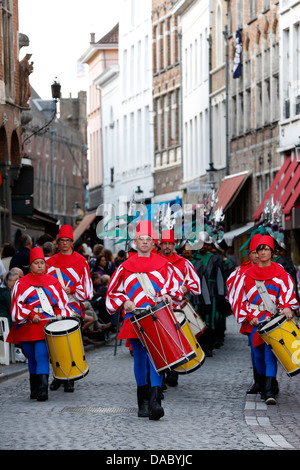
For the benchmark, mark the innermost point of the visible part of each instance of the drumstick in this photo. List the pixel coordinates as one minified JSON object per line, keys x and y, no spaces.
{"x":184,"y":281}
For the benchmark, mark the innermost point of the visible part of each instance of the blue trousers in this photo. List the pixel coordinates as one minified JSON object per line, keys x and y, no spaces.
{"x":263,"y":358}
{"x":143,"y":365}
{"x":37,"y":355}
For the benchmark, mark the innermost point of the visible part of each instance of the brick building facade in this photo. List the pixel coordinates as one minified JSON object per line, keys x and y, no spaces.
{"x":13,"y":105}
{"x":253,"y":101}
{"x":58,"y":155}
{"x":166,"y":102}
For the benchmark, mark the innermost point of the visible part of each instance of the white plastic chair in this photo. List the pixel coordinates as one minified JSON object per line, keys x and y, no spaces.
{"x":7,"y":350}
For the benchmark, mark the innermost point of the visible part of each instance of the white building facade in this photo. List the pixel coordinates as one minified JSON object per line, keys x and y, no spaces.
{"x":126,"y":114}
{"x":289,"y":31}
{"x":136,"y":127}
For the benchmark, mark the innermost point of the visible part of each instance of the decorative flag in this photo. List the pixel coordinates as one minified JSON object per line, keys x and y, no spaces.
{"x":237,"y":64}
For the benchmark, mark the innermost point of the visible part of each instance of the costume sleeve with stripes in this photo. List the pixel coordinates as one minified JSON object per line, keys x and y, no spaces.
{"x":172,"y":284}
{"x":192,"y":283}
{"x":24,"y":301}
{"x":116,"y":296}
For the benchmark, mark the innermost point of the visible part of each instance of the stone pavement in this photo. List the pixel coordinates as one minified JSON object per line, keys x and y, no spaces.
{"x":208,"y":410}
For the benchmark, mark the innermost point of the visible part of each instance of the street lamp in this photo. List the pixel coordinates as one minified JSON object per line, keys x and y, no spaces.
{"x":297,"y":150}
{"x":55,"y":90}
{"x":139,"y":194}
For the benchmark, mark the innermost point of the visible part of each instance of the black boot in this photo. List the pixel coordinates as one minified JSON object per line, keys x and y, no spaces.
{"x":156,"y":410}
{"x":269,"y":395}
{"x":42,"y":387}
{"x":32,"y":380}
{"x":275,"y":386}
{"x":171,"y":378}
{"x":69,"y":386}
{"x":143,"y":401}
{"x":55,"y":384}
{"x":258,"y":384}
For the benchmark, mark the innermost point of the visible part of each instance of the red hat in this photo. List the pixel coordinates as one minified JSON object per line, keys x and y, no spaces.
{"x":156,"y":238}
{"x":167,"y":236}
{"x":66,"y":231}
{"x":266,"y":240}
{"x":144,"y":227}
{"x":254,"y":241}
{"x":36,"y":253}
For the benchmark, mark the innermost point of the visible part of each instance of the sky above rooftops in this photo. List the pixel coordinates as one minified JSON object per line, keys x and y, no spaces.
{"x":59,"y":33}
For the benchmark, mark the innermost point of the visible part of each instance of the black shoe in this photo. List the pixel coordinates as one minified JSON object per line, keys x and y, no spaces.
{"x":171,"y":378}
{"x":208,"y":352}
{"x":269,"y":395}
{"x":258,"y":384}
{"x":156,"y":410}
{"x":69,"y":386}
{"x":42,"y":387}
{"x":55,"y":384}
{"x":143,"y":401}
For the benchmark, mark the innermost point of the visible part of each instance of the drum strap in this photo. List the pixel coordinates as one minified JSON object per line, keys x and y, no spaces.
{"x":46,"y":306}
{"x":60,"y":278}
{"x":146,"y":285}
{"x":269,"y":304}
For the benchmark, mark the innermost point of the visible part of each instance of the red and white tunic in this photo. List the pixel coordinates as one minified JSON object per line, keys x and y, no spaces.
{"x":144,"y":281}
{"x":26,"y":303}
{"x":280,"y":287}
{"x":234,"y":286}
{"x":186,"y":274}
{"x":73,"y":271}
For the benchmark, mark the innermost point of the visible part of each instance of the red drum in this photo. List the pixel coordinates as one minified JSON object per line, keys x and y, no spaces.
{"x":163,"y":337}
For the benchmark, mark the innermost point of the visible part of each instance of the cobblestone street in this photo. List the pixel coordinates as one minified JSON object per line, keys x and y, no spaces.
{"x":208,"y":410}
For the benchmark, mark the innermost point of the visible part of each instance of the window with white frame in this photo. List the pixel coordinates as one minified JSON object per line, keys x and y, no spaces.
{"x":240,"y":13}
{"x":296,"y":67}
{"x":251,"y":10}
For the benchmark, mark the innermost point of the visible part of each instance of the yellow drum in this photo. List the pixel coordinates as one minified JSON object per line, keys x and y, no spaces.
{"x":66,"y":349}
{"x":196,"y":362}
{"x":197,"y":325}
{"x":283,"y":337}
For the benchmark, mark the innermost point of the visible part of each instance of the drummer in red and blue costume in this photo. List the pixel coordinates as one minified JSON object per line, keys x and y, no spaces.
{"x":73,"y":272}
{"x":126,"y":293}
{"x":233,"y":295}
{"x":36,"y":299}
{"x":252,"y":311}
{"x":188,"y":279}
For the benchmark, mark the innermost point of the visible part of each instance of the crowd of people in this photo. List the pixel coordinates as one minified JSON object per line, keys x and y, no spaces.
{"x":53,"y":280}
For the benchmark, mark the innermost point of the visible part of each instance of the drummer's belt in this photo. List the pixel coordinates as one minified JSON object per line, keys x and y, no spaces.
{"x":265,"y":296}
{"x":38,"y":310}
{"x":260,"y":307}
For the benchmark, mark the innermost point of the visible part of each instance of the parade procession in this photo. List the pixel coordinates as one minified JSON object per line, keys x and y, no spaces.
{"x":150,"y":225}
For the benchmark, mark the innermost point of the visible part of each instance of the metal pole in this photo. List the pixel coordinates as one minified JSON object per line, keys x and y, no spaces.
{"x":180,"y":100}
{"x":226,"y":102}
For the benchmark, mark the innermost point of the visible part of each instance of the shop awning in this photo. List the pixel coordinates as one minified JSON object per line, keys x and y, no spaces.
{"x":229,"y":189}
{"x":285,"y":188}
{"x":84,"y":225}
{"x":232,"y":234}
